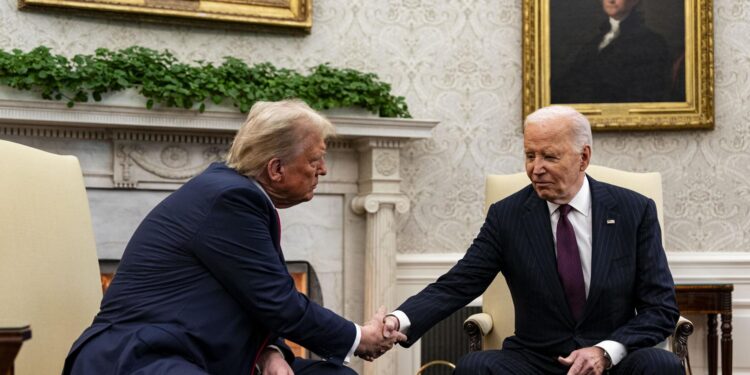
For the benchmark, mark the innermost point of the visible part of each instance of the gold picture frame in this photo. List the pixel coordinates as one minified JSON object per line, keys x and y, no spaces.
{"x":294,"y":15}
{"x":551,"y":51}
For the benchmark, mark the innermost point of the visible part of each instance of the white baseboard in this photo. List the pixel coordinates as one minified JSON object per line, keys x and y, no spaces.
{"x":415,"y":271}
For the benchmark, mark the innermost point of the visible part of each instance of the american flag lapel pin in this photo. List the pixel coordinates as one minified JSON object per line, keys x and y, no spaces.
{"x":610,"y":221}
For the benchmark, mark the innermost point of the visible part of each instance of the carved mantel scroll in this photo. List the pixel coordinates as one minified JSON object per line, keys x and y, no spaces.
{"x":372,"y":203}
{"x":161,"y":161}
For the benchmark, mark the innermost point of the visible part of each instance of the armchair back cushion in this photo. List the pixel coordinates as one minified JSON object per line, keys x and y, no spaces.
{"x":49,"y":273}
{"x":496,"y":299}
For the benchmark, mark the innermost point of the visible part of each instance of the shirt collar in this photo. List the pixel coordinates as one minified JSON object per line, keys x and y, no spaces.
{"x":261,"y":189}
{"x":615,"y":24}
{"x":581,"y":202}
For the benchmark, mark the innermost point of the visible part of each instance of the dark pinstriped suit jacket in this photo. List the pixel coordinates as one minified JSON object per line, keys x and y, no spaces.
{"x":629,"y":275}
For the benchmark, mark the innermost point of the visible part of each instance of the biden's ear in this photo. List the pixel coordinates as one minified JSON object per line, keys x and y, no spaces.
{"x":585,"y":157}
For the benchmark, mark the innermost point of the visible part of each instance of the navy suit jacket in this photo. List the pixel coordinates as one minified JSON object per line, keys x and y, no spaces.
{"x":203,"y":280}
{"x":631,"y":296}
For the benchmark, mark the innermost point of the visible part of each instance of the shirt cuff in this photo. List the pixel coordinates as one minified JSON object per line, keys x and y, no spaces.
{"x":357,"y":338}
{"x":276,"y":348}
{"x":403,"y":321}
{"x":615,"y":350}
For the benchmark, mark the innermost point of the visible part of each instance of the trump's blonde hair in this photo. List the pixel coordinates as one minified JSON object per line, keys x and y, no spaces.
{"x":275,"y":130}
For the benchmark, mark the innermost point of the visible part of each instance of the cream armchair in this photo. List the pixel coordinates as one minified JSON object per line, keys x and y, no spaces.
{"x":487,"y":330}
{"x":49,"y":273}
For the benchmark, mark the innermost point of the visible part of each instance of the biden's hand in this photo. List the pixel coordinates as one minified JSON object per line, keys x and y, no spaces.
{"x":375,"y":341}
{"x":586,"y":361}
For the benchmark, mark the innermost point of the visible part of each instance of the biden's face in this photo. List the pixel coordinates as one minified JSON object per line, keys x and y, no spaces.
{"x":618,"y":9}
{"x":553,"y":164}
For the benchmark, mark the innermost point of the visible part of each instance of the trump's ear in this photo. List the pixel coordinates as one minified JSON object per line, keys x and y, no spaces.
{"x":275,"y":170}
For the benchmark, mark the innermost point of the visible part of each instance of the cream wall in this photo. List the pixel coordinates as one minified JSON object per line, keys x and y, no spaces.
{"x":459,"y":62}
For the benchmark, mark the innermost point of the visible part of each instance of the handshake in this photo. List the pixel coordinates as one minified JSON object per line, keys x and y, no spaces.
{"x":378,"y":336}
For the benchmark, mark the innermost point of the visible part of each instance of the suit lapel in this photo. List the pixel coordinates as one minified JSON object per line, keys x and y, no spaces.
{"x":536,"y":224}
{"x":274,"y":224}
{"x":604,"y":237}
{"x":276,"y":232}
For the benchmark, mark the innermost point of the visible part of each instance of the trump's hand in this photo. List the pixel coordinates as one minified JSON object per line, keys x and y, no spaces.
{"x":586,"y":361}
{"x":271,"y":362}
{"x":374,"y":342}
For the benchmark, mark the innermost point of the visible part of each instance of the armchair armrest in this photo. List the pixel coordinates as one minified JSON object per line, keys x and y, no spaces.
{"x":476,"y":326}
{"x":680,"y":340}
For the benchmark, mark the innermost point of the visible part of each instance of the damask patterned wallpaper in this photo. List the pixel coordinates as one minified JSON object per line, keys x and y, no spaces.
{"x":459,"y":61}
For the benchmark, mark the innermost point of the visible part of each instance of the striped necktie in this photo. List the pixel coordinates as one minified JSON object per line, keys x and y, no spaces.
{"x":569,"y":264}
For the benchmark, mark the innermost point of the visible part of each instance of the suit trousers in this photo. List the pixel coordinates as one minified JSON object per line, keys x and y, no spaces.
{"x":151,"y":364}
{"x":180,"y":366}
{"x":311,"y":367}
{"x":647,"y":361}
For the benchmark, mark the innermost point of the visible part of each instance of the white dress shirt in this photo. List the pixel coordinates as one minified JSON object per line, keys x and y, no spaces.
{"x":581,"y":220}
{"x":614,"y":32}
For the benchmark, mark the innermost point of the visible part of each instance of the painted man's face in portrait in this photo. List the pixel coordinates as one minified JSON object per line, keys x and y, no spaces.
{"x":618,"y":9}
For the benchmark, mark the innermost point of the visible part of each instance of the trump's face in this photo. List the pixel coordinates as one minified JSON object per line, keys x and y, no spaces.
{"x":301,"y":172}
{"x":293,"y":180}
{"x":618,"y":9}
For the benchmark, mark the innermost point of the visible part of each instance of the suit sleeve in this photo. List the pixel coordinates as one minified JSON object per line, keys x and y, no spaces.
{"x":656,"y":306}
{"x":236,"y":246}
{"x":467,"y":280}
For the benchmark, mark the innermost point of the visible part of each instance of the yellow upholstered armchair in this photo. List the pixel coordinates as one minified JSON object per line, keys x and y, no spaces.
{"x":487,"y":330}
{"x":49,"y":273}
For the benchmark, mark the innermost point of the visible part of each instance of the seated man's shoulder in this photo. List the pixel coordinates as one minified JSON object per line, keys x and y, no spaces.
{"x":221,"y":177}
{"x":219,"y":180}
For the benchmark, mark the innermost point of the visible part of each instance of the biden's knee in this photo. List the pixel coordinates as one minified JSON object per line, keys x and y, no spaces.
{"x":650,"y":361}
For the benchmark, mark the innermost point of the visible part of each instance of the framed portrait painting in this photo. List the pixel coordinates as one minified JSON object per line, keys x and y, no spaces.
{"x":289,"y":15}
{"x":625,"y":64}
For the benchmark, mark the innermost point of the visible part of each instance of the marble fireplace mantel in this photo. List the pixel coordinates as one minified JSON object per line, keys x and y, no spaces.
{"x":132,"y":158}
{"x":128,"y":112}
